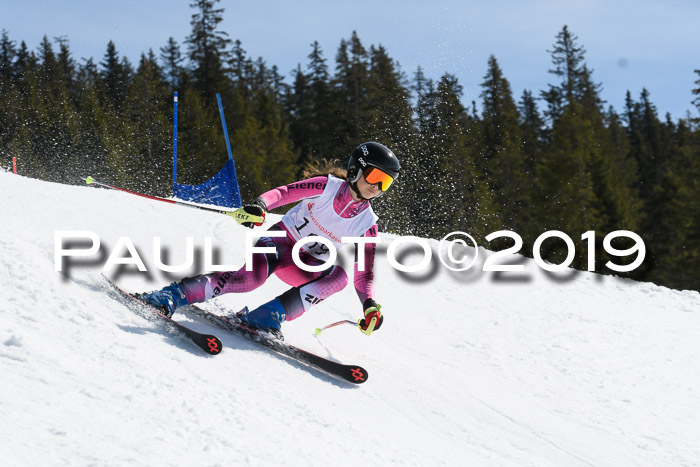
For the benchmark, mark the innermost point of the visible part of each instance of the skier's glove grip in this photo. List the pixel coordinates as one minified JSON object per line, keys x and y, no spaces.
{"x":373,"y":318}
{"x":250,"y":215}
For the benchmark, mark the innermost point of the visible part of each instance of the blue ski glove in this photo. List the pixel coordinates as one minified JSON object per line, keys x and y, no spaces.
{"x":251,"y":215}
{"x":373,"y":317}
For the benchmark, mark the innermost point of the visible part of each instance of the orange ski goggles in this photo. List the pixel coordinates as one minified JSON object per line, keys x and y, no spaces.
{"x":374,"y":175}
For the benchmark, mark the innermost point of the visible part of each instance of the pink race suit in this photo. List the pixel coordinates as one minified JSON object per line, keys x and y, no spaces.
{"x":308,"y":288}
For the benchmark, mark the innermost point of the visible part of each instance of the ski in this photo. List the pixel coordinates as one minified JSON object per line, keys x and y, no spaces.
{"x":352,"y":373}
{"x":207,"y":342}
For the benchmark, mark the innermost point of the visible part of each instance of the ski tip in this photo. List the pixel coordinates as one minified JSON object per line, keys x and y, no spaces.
{"x":89,"y":180}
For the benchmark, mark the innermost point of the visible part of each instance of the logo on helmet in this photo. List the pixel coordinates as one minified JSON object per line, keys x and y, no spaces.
{"x":365,"y":151}
{"x":362,"y":161}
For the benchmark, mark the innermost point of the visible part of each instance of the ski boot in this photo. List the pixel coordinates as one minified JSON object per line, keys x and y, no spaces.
{"x":266,"y":318}
{"x":166,"y":300}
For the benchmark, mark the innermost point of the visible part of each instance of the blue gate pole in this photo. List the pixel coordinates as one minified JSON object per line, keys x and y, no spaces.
{"x":175,"y":144}
{"x":236,"y":191}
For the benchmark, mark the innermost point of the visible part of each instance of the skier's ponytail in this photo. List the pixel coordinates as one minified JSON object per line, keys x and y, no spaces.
{"x":325,"y":167}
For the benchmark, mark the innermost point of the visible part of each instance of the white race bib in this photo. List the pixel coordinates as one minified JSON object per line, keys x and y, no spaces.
{"x":316,"y":216}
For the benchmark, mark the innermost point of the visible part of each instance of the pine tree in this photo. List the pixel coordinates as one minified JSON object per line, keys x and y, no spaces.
{"x":388,"y":96}
{"x":268,"y":91}
{"x":350,"y":94}
{"x":504,"y":162}
{"x":390,"y":122}
{"x":615,"y":172}
{"x":47,"y":58}
{"x":568,"y":60}
{"x":453,"y":170}
{"x":66,"y":64}
{"x":242,"y":80}
{"x":424,"y":90}
{"x":207,"y":47}
{"x":24,"y":60}
{"x":532,"y":130}
{"x":567,"y":198}
{"x":321,"y":117}
{"x":679,"y":267}
{"x":241,"y":70}
{"x":617,"y":178}
{"x":300,"y":106}
{"x":171,"y":58}
{"x":46,"y":95}
{"x":420,"y":166}
{"x":649,"y":147}
{"x":201,"y":143}
{"x":115,"y":75}
{"x":359,"y":67}
{"x":445,"y":178}
{"x":696,"y":91}
{"x":264,"y":155}
{"x":7,"y":57}
{"x":11,"y":99}
{"x":97,"y":122}
{"x":589,"y":92}
{"x":149,"y":162}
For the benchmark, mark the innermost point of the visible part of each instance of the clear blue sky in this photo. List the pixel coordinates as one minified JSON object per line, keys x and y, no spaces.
{"x":630,"y":44}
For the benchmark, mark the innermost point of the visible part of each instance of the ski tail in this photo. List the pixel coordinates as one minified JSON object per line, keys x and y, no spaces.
{"x":352,"y":373}
{"x":207,"y":342}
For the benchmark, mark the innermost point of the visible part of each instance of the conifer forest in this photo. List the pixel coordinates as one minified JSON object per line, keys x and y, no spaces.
{"x":550,"y":159}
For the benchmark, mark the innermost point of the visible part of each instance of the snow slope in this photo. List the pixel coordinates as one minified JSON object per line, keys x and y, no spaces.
{"x":468,"y":369}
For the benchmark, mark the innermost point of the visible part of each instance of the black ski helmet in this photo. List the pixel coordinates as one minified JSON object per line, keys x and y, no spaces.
{"x":372,"y":154}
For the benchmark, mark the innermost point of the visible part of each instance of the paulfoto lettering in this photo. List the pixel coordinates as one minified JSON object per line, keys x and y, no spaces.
{"x":70,"y":245}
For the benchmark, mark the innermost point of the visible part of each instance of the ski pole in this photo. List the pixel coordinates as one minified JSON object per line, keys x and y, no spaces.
{"x":345,"y":321}
{"x":91,"y":181}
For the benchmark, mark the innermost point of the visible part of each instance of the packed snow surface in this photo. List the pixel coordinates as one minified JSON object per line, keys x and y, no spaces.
{"x":469,"y":368}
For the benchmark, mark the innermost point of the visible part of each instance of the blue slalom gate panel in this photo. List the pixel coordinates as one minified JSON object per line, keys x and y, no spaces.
{"x":220,"y":190}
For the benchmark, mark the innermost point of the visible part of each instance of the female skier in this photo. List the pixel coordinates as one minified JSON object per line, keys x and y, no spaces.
{"x":332,"y":208}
